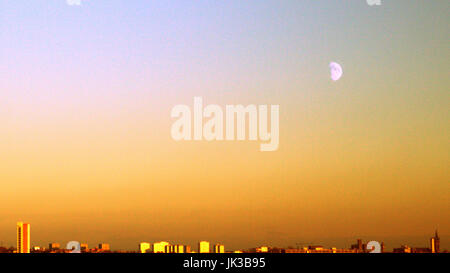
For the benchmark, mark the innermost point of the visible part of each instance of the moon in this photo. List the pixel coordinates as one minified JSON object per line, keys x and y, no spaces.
{"x":336,"y":71}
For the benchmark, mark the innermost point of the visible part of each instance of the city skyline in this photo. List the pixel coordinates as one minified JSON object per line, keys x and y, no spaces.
{"x":86,"y":94}
{"x":24,"y":245}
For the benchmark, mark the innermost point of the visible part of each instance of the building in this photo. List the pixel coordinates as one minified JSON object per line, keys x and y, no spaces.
{"x":160,"y":247}
{"x":316,"y":248}
{"x":203,"y":247}
{"x":178,"y":249}
{"x":402,"y":249}
{"x":187,"y":249}
{"x":144,"y":247}
{"x":434,"y":247}
{"x":23,"y":237}
{"x":54,"y":246}
{"x":434,"y":243}
{"x":359,"y":247}
{"x":36,"y":248}
{"x":84,"y":247}
{"x":262,"y":249}
{"x":169,"y":249}
{"x":104,"y":247}
{"x":174,"y":249}
{"x":421,"y":250}
{"x":219,"y":248}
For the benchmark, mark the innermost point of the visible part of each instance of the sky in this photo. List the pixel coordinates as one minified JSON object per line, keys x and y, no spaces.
{"x":85,"y":99}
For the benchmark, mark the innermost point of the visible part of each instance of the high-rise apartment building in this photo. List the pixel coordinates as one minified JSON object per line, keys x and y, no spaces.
{"x":203,"y":247}
{"x":23,"y":237}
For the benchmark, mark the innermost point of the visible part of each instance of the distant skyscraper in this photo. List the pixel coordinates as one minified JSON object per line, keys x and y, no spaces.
{"x":23,"y":237}
{"x":434,"y":243}
{"x":218,"y":248}
{"x":143,"y":247}
{"x":203,"y":247}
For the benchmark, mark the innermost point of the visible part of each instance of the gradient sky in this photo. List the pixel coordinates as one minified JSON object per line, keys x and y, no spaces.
{"x":85,"y":99}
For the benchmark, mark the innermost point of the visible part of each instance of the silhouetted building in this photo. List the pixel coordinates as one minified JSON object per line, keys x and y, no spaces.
{"x":420,"y":250}
{"x":84,"y":247}
{"x":54,"y":246}
{"x":402,"y":249}
{"x":104,"y":247}
{"x":359,"y":247}
{"x":434,"y":243}
{"x":407,"y":249}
